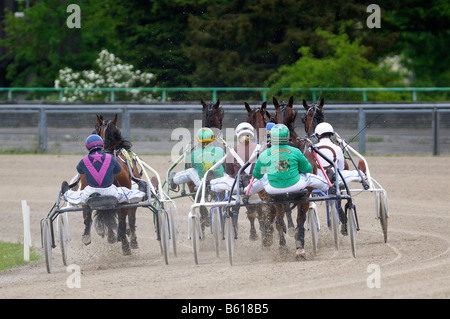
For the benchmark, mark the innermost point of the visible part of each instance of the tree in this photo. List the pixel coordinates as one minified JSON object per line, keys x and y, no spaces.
{"x":345,"y":67}
{"x":110,"y":72}
{"x":41,"y":44}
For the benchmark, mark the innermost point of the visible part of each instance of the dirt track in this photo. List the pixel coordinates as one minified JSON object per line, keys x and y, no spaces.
{"x":415,"y":262}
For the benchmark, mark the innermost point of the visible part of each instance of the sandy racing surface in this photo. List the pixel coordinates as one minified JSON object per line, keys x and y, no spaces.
{"x":415,"y":262}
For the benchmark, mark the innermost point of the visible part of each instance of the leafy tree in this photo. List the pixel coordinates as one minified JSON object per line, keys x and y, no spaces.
{"x":346,"y":66}
{"x":41,"y":44}
{"x":424,"y":37}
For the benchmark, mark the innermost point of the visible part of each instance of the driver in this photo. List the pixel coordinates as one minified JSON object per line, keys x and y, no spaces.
{"x":99,"y":169}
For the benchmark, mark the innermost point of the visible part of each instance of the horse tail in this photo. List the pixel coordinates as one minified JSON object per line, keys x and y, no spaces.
{"x":104,"y":220}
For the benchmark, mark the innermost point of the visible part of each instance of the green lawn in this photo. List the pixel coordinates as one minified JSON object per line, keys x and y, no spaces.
{"x":11,"y":255}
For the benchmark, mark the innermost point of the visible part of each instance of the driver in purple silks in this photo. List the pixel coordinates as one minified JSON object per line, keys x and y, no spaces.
{"x":99,"y":169}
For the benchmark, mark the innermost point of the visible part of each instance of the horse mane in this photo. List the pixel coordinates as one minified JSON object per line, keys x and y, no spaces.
{"x":113,"y":140}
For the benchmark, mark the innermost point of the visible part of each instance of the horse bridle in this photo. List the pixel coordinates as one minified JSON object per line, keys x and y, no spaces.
{"x":315,"y":109}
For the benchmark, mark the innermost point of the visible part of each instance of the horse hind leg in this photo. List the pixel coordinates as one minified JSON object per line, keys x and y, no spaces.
{"x":86,"y":237}
{"x":300,"y":231}
{"x":132,"y":229}
{"x":122,"y":232}
{"x":251,"y":215}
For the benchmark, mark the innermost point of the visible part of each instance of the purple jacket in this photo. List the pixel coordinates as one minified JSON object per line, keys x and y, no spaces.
{"x":99,"y":168}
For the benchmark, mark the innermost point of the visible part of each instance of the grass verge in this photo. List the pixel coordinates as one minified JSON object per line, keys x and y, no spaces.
{"x":11,"y":255}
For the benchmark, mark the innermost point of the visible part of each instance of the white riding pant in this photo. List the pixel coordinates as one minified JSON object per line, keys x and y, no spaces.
{"x":306,"y":180}
{"x":189,"y":175}
{"x":123,"y":194}
{"x":348,"y":175}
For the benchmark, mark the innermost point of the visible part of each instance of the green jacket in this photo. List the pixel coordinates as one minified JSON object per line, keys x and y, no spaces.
{"x":203,"y":158}
{"x":282,"y":163}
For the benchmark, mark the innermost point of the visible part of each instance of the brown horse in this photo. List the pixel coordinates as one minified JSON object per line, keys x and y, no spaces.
{"x":114,"y":143}
{"x":258,"y":118}
{"x":285,"y":114}
{"x":313,"y":116}
{"x":212,"y":115}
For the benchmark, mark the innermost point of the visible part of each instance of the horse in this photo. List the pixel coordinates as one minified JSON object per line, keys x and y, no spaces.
{"x":258,"y":117}
{"x":285,"y":114}
{"x":212,"y":115}
{"x":114,"y":143}
{"x":313,"y":116}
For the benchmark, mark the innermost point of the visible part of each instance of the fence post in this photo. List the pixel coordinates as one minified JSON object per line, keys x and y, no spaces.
{"x":43,"y":130}
{"x":435,"y":128}
{"x":362,"y":131}
{"x":26,"y":230}
{"x":126,"y":123}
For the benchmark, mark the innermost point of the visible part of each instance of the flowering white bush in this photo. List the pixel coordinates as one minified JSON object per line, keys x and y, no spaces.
{"x":111,"y":73}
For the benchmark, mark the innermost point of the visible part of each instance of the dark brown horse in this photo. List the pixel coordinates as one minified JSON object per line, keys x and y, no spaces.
{"x":285,"y":114}
{"x":313,"y":116}
{"x":212,"y":115}
{"x":114,"y":143}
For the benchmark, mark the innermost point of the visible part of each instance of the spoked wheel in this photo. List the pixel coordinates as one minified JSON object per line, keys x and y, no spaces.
{"x":334,"y":223}
{"x":216,"y":228}
{"x":63,"y":238}
{"x":383,"y":214}
{"x":229,"y":237}
{"x":173,"y":228}
{"x":165,"y":234}
{"x":351,"y":224}
{"x":47,"y":243}
{"x":195,"y":236}
{"x":313,"y":228}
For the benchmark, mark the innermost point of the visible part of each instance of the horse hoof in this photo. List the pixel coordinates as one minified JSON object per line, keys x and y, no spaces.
{"x":253,"y":236}
{"x":86,"y":239}
{"x":300,"y":253}
{"x":134,"y":244}
{"x":126,"y":249}
{"x":268,"y":241}
{"x":291,"y":231}
{"x":112,"y":238}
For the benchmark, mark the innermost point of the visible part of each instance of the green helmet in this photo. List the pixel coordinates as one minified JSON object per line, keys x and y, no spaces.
{"x":279,"y":134}
{"x":205,"y":135}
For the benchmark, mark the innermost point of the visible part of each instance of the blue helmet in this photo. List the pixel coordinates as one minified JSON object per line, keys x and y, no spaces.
{"x":93,"y":142}
{"x":269,"y":128}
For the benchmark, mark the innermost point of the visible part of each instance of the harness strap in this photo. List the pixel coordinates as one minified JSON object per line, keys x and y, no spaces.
{"x":332,"y":151}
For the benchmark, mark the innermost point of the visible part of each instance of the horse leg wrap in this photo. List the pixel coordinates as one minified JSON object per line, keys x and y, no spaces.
{"x":300,"y":237}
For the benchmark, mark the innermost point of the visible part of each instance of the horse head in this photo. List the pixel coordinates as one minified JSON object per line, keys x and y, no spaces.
{"x":313,"y":116}
{"x":258,"y":117}
{"x":212,"y":114}
{"x":111,"y":135}
{"x":285,"y":113}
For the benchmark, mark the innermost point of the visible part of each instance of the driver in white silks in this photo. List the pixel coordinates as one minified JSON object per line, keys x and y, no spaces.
{"x":99,"y":169}
{"x":324,"y":131}
{"x":236,"y":158}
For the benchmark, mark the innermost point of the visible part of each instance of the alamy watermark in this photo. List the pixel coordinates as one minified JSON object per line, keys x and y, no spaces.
{"x":74,"y":279}
{"x":374,"y":19}
{"x":374,"y":279}
{"x":74,"y":19}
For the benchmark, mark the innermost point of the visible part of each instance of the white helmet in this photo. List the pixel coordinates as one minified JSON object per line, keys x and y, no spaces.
{"x":323,"y":128}
{"x":245,"y":128}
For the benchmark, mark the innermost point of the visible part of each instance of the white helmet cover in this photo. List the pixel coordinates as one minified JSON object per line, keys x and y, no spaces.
{"x":245,"y":128}
{"x":323,"y":128}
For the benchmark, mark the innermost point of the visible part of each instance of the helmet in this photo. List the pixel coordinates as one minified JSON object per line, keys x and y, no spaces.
{"x":94,"y":142}
{"x":279,"y":134}
{"x":324,"y":128}
{"x":205,"y":135}
{"x":245,"y":129}
{"x":269,"y":128}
